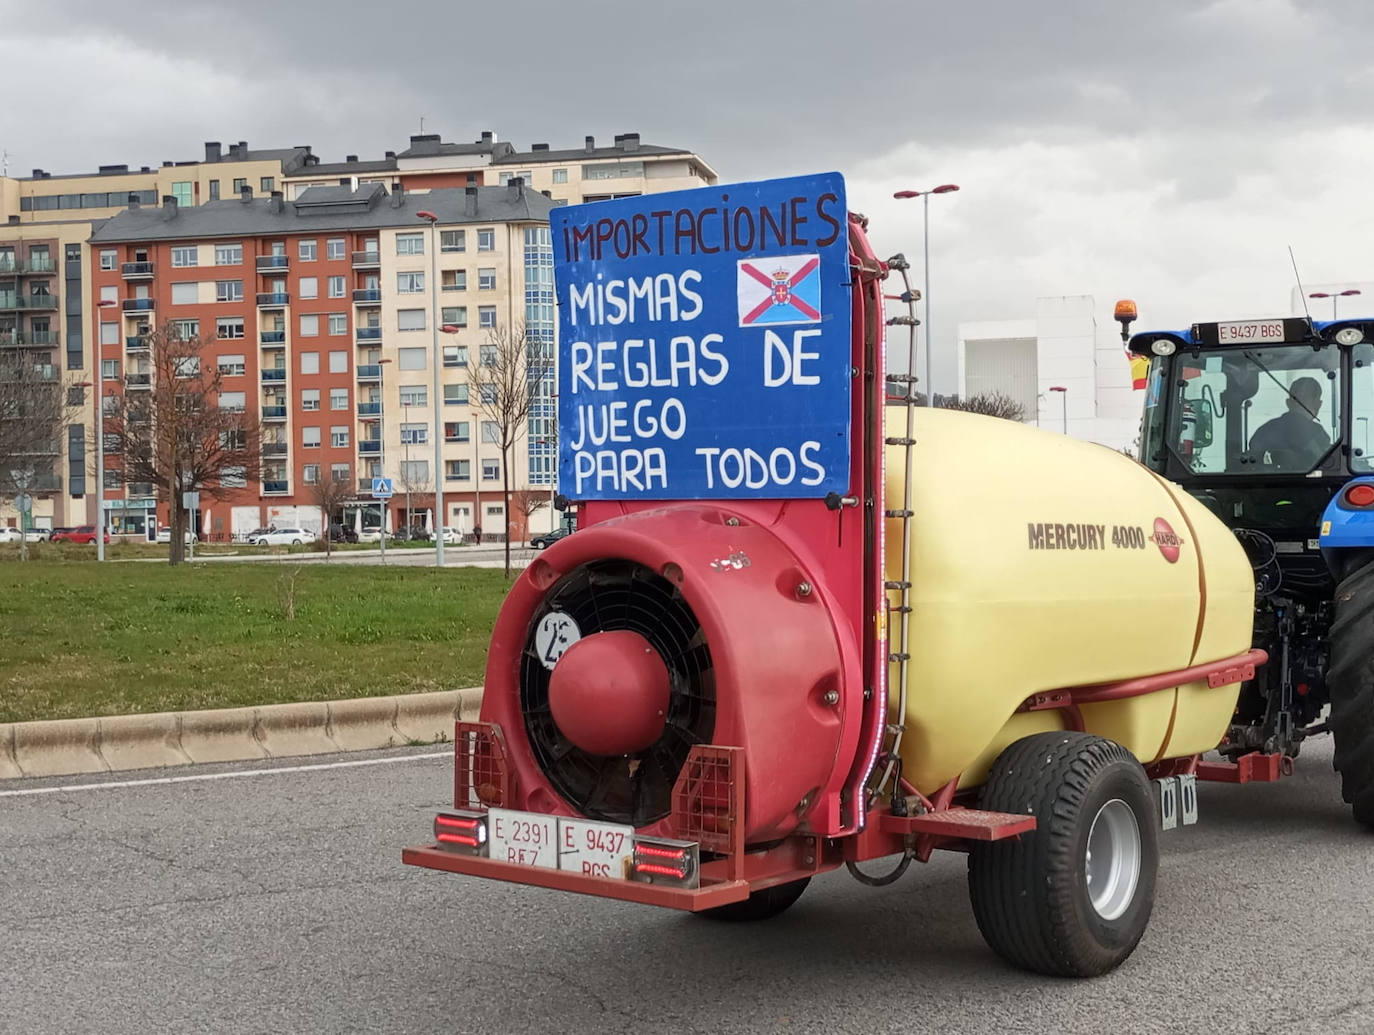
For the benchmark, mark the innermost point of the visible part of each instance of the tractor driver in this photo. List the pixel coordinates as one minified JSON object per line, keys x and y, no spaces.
{"x":1294,"y":441}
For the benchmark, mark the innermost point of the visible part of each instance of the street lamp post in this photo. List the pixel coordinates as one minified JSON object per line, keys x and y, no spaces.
{"x":438,"y":437}
{"x":108,"y":303}
{"x":1335,"y":297}
{"x":924,"y":195}
{"x":1064,"y":400}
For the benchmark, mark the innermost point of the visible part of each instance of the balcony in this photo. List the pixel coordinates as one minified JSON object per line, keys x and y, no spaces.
{"x":274,"y":449}
{"x":275,"y":488}
{"x":273,"y":299}
{"x":370,"y":447}
{"x":274,"y":374}
{"x":46,"y":482}
{"x":138,"y":380}
{"x":137,"y":344}
{"x":369,"y":409}
{"x":366,"y":260}
{"x":273,"y":263}
{"x":10,"y":300}
{"x":369,"y":372}
{"x":137,"y":305}
{"x":21,"y":267}
{"x":39,"y":338}
{"x":367,"y":296}
{"x":368,"y":334}
{"x":136,"y":270}
{"x":270,"y":412}
{"x":272,"y":339}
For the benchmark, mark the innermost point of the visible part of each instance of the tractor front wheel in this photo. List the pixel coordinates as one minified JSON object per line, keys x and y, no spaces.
{"x":1350,"y":682}
{"x":1073,"y":897}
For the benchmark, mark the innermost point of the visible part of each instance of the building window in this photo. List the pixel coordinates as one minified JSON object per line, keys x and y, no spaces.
{"x":187,"y":366}
{"x":185,"y":330}
{"x":310,"y":325}
{"x":337,"y":288}
{"x":231,"y":366}
{"x":307,"y":251}
{"x":309,"y":287}
{"x":486,"y":316}
{"x":233,"y":402}
{"x":491,"y":470}
{"x":185,"y":256}
{"x":338,"y":323}
{"x":455,"y":395}
{"x":410,"y":244}
{"x":338,"y":436}
{"x":489,"y":355}
{"x":560,"y":176}
{"x":229,"y":327}
{"x":109,"y":334}
{"x":414,"y":395}
{"x":456,"y":431}
{"x":338,"y":362}
{"x":491,"y":432}
{"x":455,"y":355}
{"x":411,"y":359}
{"x":109,"y":258}
{"x":335,"y":248}
{"x":310,"y":474}
{"x":414,"y":472}
{"x":454,"y":316}
{"x":310,"y":437}
{"x":486,"y":279}
{"x":613,"y":171}
{"x":414,"y":434}
{"x":310,"y":398}
{"x":310,"y":363}
{"x":229,"y":255}
{"x":487,"y":393}
{"x":182,"y":191}
{"x":338,"y":398}
{"x":410,"y":283}
{"x":109,"y":370}
{"x":453,"y":240}
{"x":239,"y":183}
{"x":453,"y":280}
{"x":228,"y":291}
{"x":214,"y":190}
{"x":410,"y":319}
{"x":267,"y":184}
{"x":458,"y":470}
{"x":109,"y":294}
{"x":113,"y":479}
{"x":185,"y":293}
{"x":340,"y":472}
{"x":233,"y":477}
{"x":486,"y":240}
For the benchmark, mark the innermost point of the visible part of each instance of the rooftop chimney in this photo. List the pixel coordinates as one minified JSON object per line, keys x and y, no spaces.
{"x":112,"y":170}
{"x":539,"y":147}
{"x":145,"y":169}
{"x":591,"y":143}
{"x":630,"y":142}
{"x":350,"y":158}
{"x":488,"y":136}
{"x":470,"y":201}
{"x":515,"y":188}
{"x":245,"y":194}
{"x":212,"y":150}
{"x":169,"y":206}
{"x":398,"y":196}
{"x":276,"y":205}
{"x":390,"y":156}
{"x":38,"y":174}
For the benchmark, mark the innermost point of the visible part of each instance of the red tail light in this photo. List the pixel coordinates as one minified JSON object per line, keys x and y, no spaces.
{"x":662,"y":861}
{"x":1360,"y":495}
{"x":461,"y":831}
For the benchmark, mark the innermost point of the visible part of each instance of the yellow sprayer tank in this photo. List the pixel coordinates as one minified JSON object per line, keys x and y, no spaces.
{"x":1041,"y":563}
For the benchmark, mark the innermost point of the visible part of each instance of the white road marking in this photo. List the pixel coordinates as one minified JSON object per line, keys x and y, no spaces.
{"x":233,"y":774}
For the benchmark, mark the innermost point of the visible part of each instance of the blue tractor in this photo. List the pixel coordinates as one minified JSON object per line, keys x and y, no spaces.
{"x":1266,"y":422}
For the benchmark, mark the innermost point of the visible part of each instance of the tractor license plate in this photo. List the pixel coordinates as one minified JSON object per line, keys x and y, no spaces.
{"x":557,"y":843}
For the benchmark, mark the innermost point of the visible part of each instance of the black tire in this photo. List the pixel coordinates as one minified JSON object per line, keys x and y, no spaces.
{"x":761,"y":905}
{"x":1350,"y":682}
{"x":295,"y":542}
{"x":1031,"y":895}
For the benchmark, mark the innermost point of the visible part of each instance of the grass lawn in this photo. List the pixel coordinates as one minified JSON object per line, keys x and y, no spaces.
{"x":80,"y":639}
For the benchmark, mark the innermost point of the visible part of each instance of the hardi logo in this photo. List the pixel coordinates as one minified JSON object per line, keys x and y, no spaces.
{"x":1168,"y":541}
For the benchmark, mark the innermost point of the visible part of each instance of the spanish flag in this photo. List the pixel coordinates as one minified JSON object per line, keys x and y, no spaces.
{"x":1140,"y":370}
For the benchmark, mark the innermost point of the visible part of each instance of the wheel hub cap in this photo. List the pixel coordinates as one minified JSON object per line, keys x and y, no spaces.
{"x":1112,"y":862}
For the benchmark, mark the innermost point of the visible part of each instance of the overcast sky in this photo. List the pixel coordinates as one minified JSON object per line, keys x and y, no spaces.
{"x":1169,"y":151}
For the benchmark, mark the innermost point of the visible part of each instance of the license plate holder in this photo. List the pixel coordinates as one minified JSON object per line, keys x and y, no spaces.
{"x":584,"y":846}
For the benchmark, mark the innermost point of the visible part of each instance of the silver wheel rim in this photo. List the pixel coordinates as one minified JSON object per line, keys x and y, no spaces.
{"x":1112,"y":861}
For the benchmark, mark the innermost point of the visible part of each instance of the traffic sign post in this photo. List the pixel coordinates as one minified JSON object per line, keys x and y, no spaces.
{"x":24,"y":504}
{"x":190,"y":501}
{"x":381,"y":491}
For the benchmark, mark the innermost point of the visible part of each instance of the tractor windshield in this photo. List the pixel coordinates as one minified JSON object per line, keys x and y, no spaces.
{"x":1361,"y":406}
{"x":1254,"y":411}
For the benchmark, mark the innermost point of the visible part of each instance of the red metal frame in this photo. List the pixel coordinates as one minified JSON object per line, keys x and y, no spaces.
{"x":481,"y":776}
{"x":1252,"y":768}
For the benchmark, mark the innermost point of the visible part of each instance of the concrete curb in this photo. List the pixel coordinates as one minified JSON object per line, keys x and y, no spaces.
{"x":62,"y":747}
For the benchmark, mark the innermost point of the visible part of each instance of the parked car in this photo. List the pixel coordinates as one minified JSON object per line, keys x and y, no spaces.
{"x":544,"y":539}
{"x":370,"y":535}
{"x":11,"y":535}
{"x":164,"y":535}
{"x":452,"y":537}
{"x":80,"y":534}
{"x":343,"y":534}
{"x":419,"y":535}
{"x":283,"y":537}
{"x":38,"y":535}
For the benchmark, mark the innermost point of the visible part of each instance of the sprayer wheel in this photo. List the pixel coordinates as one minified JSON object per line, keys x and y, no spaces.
{"x":761,"y":905}
{"x":1073,"y":897}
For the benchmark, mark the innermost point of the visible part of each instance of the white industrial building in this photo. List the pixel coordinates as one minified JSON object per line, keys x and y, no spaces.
{"x":1067,"y":344}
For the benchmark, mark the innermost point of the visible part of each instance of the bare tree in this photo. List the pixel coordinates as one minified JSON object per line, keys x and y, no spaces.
{"x":991,"y":404}
{"x":174,"y":433}
{"x":35,"y":406}
{"x":527,"y":503}
{"x":509,"y":377}
{"x":330,"y":495}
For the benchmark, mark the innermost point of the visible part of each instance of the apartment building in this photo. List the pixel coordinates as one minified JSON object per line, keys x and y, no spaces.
{"x":323,"y":313}
{"x":570,"y":176}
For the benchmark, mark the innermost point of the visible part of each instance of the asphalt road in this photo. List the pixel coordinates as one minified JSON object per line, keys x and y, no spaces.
{"x":277,"y":902}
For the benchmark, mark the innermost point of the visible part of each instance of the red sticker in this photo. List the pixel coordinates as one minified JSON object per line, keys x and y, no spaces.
{"x":1167,"y":540}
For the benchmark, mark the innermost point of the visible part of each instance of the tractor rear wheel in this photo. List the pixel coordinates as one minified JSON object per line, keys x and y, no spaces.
{"x":1073,"y":897}
{"x":761,"y":905}
{"x":1350,"y":682}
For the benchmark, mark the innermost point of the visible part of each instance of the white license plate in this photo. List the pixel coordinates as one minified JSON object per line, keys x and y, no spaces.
{"x":1249,"y":332}
{"x":580,"y":845}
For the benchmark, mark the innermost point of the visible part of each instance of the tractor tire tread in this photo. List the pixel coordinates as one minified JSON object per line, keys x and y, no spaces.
{"x":1350,"y":682}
